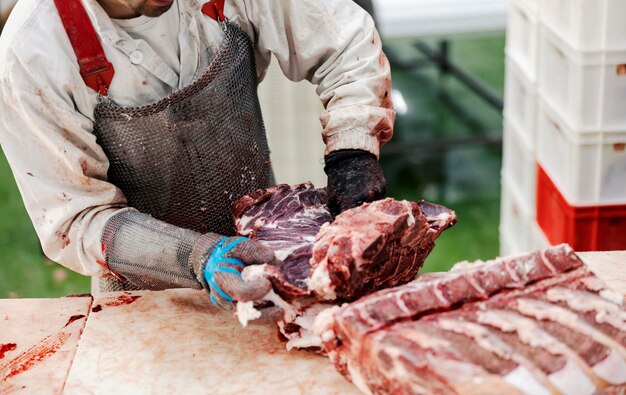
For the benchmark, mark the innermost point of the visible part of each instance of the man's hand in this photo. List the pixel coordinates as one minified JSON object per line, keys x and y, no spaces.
{"x":217,"y":262}
{"x":354,"y":177}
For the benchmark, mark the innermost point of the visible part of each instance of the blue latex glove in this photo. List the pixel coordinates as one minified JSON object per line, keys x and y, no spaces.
{"x":218,"y":261}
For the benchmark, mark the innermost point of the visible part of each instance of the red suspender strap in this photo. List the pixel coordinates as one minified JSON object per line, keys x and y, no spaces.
{"x":215,"y":10}
{"x":96,"y":70}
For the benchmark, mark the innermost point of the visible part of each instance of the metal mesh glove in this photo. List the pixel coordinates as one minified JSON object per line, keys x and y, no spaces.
{"x":354,"y":177}
{"x":149,"y":253}
{"x":153,"y":254}
{"x":218,"y":261}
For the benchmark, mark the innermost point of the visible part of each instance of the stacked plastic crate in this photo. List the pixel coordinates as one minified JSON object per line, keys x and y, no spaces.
{"x":518,"y":229}
{"x":576,"y":134}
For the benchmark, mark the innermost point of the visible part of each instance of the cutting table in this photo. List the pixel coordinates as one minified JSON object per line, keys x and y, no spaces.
{"x":168,"y":342}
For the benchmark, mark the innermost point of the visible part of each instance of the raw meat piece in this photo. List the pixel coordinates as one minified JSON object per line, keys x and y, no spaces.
{"x":286,"y":219}
{"x":376,"y":245}
{"x":539,"y":323}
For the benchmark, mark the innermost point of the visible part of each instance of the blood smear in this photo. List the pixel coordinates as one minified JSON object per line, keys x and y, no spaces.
{"x":5,"y":348}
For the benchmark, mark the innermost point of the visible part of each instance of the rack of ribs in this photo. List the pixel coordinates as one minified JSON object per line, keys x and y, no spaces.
{"x":539,"y":323}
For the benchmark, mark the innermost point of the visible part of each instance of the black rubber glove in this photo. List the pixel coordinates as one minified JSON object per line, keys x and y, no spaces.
{"x":354,"y":177}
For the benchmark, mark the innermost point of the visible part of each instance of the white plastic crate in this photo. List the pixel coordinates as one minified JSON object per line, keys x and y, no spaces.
{"x":520,"y":102}
{"x":531,"y":5}
{"x":419,"y":18}
{"x":538,"y":239}
{"x":587,"y":25}
{"x":589,"y":88}
{"x":522,"y":37}
{"x":516,"y":219}
{"x":509,"y":246}
{"x":589,"y":168}
{"x":519,"y":167}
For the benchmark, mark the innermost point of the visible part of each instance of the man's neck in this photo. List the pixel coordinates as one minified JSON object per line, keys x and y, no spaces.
{"x":117,"y":10}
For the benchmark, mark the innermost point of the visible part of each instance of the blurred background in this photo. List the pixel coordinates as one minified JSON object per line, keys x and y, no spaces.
{"x":446,"y":147}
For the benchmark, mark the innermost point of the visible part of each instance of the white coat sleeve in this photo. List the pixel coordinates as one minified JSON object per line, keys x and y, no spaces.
{"x":334,"y":45}
{"x":59,"y":168}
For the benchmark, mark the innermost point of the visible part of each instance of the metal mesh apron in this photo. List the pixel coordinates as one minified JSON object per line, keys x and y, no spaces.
{"x":185,"y":158}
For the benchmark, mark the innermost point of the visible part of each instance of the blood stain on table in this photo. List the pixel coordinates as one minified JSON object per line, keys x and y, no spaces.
{"x":74,"y":318}
{"x":123,"y":300}
{"x":79,"y":296}
{"x":96,"y":308}
{"x":33,"y":356}
{"x":5,"y":348}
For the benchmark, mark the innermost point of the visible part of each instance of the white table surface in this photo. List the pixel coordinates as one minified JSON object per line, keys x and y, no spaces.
{"x":168,"y":342}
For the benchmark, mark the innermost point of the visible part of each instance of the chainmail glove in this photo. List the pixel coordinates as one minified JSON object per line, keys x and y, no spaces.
{"x":354,"y":177}
{"x":217,"y":262}
{"x":152,"y":254}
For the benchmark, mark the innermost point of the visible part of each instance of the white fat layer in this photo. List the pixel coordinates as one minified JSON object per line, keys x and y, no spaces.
{"x":613,"y":296}
{"x":530,"y":333}
{"x":470,"y":379}
{"x":428,"y":342}
{"x":307,"y":335}
{"x":605,"y":311}
{"x":612,"y":369}
{"x":480,"y":334}
{"x":326,"y":319}
{"x":371,"y":322}
{"x":512,"y":273}
{"x":290,"y":311}
{"x":455,"y":371}
{"x":487,"y":340}
{"x":467,"y":265}
{"x":572,"y":380}
{"x":284,"y":253}
{"x":401,"y":305}
{"x":246,"y":312}
{"x":303,"y":339}
{"x":312,"y":212}
{"x":319,"y":282}
{"x":324,"y":322}
{"x":594,"y":283}
{"x":545,"y":311}
{"x":528,"y":265}
{"x":411,"y":218}
{"x":522,"y":379}
{"x":243,"y":224}
{"x":357,"y":379}
{"x":472,"y":280}
{"x":547,"y":262}
{"x":443,"y":216}
{"x":398,"y":371}
{"x":527,"y":329}
{"x":437,"y":291}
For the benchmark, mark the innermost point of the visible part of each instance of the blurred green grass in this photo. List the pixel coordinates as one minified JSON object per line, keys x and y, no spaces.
{"x":465,"y":179}
{"x":24,"y":271}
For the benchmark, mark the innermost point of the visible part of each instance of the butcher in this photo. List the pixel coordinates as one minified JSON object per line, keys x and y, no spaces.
{"x":132,"y":125}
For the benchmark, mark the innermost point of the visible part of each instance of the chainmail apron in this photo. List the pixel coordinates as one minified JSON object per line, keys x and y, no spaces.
{"x":185,"y":158}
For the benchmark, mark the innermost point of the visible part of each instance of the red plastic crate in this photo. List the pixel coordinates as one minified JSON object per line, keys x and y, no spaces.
{"x":589,"y":228}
